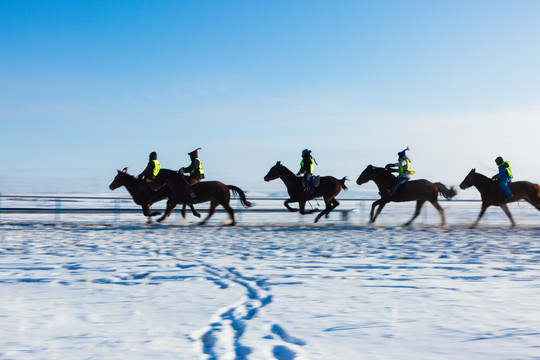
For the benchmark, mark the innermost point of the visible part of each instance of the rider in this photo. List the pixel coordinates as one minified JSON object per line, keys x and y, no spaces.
{"x":195,"y":172}
{"x":403,"y":169}
{"x":151,"y":170}
{"x":504,"y":176}
{"x":306,"y":168}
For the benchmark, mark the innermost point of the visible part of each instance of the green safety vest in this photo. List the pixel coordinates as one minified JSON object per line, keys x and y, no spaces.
{"x":157,"y":167}
{"x":201,"y":170}
{"x":508,"y":169}
{"x":407,"y":167}
{"x":311,"y":166}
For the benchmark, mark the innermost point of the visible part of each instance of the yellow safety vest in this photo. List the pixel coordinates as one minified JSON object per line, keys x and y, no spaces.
{"x":311,"y":166}
{"x":508,"y":169}
{"x":201,"y":170}
{"x":407,"y":167}
{"x":157,"y":167}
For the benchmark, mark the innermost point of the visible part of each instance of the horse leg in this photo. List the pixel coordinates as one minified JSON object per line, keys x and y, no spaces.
{"x":211,"y":211}
{"x":302,"y":209}
{"x":440,"y":209}
{"x":287,"y":202}
{"x":482,"y":212}
{"x":230,"y":210}
{"x":170,"y":207}
{"x":330,"y":205}
{"x":419,"y":205}
{"x":183,"y":211}
{"x":381,"y":205}
{"x":334,"y":204}
{"x":373,"y":206}
{"x":193,"y":210}
{"x":302,"y":206}
{"x":147,"y":211}
{"x":533,"y":203}
{"x":504,"y":207}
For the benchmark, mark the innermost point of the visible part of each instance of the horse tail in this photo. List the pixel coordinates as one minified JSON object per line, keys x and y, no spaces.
{"x":236,"y":190}
{"x":342,"y":181}
{"x":446,"y":192}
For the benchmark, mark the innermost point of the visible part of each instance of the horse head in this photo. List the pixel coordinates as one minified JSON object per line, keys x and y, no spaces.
{"x":469,"y":180}
{"x":276,"y":171}
{"x":119,"y":179}
{"x":366,"y":175}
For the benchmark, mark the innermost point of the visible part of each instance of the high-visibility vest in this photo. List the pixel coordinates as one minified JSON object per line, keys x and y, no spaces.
{"x":508,"y":170}
{"x":407,"y":167}
{"x":201,"y":170}
{"x":311,"y":166}
{"x":157,"y":167}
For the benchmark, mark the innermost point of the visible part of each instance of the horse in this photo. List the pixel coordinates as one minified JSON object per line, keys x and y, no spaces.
{"x":414,"y":190}
{"x":145,"y":198}
{"x":492,"y":194}
{"x":214,"y":191}
{"x":328,"y":188}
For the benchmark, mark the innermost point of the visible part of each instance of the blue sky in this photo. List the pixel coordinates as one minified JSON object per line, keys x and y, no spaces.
{"x":91,"y":87}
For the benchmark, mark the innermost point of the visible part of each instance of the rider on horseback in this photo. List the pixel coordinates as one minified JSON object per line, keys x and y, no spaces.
{"x":151,"y":170}
{"x":195,"y":172}
{"x":504,"y":176}
{"x":403,"y":169}
{"x":306,"y":168}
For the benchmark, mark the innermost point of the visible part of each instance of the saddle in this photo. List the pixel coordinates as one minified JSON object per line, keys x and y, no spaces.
{"x":315,"y":181}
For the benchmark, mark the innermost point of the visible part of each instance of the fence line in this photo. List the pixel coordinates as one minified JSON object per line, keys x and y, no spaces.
{"x":116,"y":207}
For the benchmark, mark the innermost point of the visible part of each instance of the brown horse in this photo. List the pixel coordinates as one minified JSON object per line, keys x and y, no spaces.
{"x":492,"y":194}
{"x":328,"y":188}
{"x":144,"y":198}
{"x":214,"y":191}
{"x":415,"y":190}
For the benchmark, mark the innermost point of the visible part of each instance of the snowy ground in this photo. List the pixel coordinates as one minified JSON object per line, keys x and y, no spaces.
{"x":275,"y":287}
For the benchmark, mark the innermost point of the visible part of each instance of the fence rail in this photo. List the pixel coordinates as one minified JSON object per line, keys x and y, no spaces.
{"x":125,"y":205}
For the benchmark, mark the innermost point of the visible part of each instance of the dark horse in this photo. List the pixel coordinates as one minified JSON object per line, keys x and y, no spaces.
{"x":328,"y":188}
{"x":214,"y":191}
{"x":414,"y":190}
{"x":145,"y":198}
{"x":492,"y":194}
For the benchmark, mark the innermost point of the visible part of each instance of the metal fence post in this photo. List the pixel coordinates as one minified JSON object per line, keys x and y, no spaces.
{"x":240,"y":210}
{"x":58,"y":208}
{"x":362,"y":207}
{"x":116,"y":210}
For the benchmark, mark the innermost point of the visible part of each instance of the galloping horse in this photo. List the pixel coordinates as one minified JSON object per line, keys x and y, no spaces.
{"x":145,"y":198}
{"x":329,"y":188}
{"x":492,"y":194}
{"x":414,"y":190}
{"x":214,"y":191}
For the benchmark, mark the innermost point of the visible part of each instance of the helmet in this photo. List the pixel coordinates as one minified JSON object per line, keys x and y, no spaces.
{"x":153,"y":155}
{"x":499,"y":160}
{"x":306,"y":152}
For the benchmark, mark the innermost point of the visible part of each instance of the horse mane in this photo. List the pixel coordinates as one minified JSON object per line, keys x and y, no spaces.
{"x":287,"y":169}
{"x":482,"y":178}
{"x":385,"y":174}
